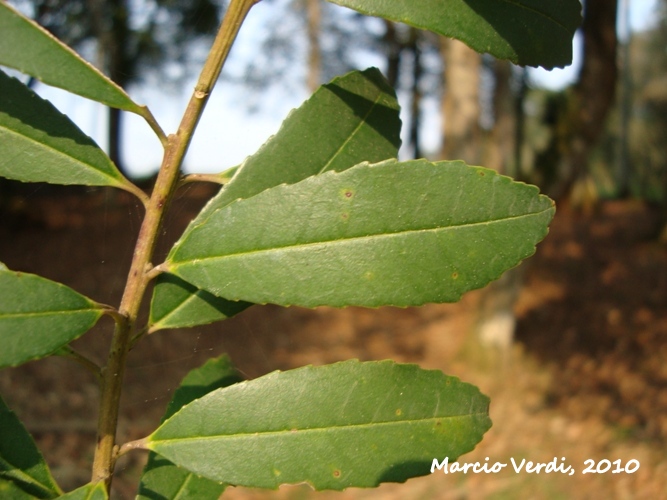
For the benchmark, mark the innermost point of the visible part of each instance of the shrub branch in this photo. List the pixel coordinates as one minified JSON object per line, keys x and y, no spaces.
{"x":139,"y":275}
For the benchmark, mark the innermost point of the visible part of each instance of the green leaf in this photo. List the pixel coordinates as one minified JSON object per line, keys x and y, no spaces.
{"x":336,"y":426}
{"x":38,"y":316}
{"x":9,"y":489}
{"x":162,"y":479}
{"x":90,"y":491}
{"x":527,"y":32}
{"x":29,"y":48}
{"x":23,"y":471}
{"x":178,"y":304}
{"x":352,"y":119}
{"x":40,"y":144}
{"x":214,"y":374}
{"x":392,"y":233}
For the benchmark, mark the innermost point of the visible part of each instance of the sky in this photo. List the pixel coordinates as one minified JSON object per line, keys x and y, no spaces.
{"x":228,"y":133}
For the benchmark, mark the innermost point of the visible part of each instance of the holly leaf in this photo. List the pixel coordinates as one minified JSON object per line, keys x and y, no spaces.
{"x":31,"y":49}
{"x":23,"y":471}
{"x":352,"y":119}
{"x":393,"y":233}
{"x":178,"y":304}
{"x":39,"y":316}
{"x":40,"y":144}
{"x":335,"y":426}
{"x":527,"y":32}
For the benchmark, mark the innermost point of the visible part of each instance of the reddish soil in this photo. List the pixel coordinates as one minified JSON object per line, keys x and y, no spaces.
{"x":586,"y":379}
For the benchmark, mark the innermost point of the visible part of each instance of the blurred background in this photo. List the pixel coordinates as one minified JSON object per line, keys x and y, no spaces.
{"x":571,"y":346}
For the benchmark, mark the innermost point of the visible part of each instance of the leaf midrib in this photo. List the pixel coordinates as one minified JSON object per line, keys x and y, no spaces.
{"x":361,"y":123}
{"x":12,"y":472}
{"x":320,"y":429}
{"x":182,"y":489}
{"x":353,"y":238}
{"x":537,"y":12}
{"x":175,"y":310}
{"x":49,"y":313}
{"x":74,"y":159}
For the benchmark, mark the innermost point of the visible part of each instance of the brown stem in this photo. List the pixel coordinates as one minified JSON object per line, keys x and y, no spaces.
{"x":138,"y":278}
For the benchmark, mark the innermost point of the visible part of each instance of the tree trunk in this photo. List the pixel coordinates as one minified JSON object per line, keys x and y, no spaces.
{"x":121,"y":70}
{"x":416,"y":94}
{"x":110,"y":20}
{"x":460,"y":104}
{"x":495,"y":319}
{"x":394,"y":50}
{"x":623,"y":179}
{"x":594,"y":91}
{"x":520,"y":126}
{"x":499,"y":150}
{"x":314,"y":16}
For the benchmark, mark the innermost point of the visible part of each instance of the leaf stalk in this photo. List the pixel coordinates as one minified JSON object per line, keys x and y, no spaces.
{"x":212,"y":178}
{"x":91,"y":366}
{"x":153,"y":124}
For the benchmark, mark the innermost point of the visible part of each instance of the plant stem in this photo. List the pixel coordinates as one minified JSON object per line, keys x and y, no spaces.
{"x":138,"y":278}
{"x":152,"y":122}
{"x":213,"y":178}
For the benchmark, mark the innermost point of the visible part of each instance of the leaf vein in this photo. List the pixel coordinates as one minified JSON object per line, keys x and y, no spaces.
{"x":177,"y":263}
{"x":354,"y":132}
{"x":290,"y":431}
{"x":48,"y":313}
{"x":73,"y":159}
{"x":538,"y":13}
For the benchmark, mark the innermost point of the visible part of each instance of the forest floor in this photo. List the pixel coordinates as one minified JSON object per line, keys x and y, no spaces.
{"x":585,"y":380}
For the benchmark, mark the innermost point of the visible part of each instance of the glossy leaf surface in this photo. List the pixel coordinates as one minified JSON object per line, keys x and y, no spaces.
{"x":393,"y":233}
{"x":29,"y":48}
{"x":38,"y":316}
{"x":178,"y":304}
{"x":527,"y":32}
{"x":161,"y":478}
{"x":352,"y":119}
{"x":40,"y":144}
{"x":336,"y":426}
{"x":23,"y":471}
